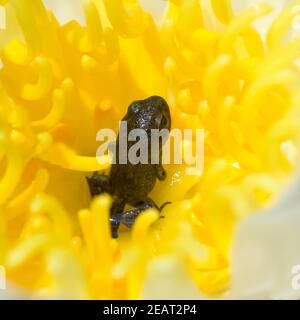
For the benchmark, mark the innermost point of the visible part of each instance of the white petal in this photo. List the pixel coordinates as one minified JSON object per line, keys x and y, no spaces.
{"x":66,"y":10}
{"x":266,"y":249}
{"x":154,"y":7}
{"x":264,"y":23}
{"x":168,"y":278}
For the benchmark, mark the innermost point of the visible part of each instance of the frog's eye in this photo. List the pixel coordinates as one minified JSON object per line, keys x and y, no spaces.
{"x":164,"y":122}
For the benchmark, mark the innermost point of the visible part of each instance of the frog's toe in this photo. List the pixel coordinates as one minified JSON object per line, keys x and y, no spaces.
{"x":114,"y":234}
{"x":163,"y":205}
{"x":115,"y":221}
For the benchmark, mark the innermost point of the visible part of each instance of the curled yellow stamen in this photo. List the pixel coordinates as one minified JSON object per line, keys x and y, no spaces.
{"x":55,"y":114}
{"x":241,"y":23}
{"x":142,"y":225}
{"x":61,"y":221}
{"x":93,"y":22}
{"x":61,"y":155}
{"x":16,"y":52}
{"x":222,"y":10}
{"x":127,"y":17}
{"x":245,"y":157}
{"x":19,"y":204}
{"x":281,"y":24}
{"x":213,"y":75}
{"x":27,"y":249}
{"x":253,"y":95}
{"x":45,"y":77}
{"x":12,"y":174}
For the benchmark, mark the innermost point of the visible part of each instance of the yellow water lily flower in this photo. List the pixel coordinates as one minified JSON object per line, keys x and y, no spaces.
{"x":62,"y":82}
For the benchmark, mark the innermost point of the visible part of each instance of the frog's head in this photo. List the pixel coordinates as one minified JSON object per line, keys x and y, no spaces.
{"x":151,"y":113}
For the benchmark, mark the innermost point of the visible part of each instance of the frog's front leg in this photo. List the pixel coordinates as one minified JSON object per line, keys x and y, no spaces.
{"x":116,"y":212}
{"x":98,"y":183}
{"x":128,"y":218}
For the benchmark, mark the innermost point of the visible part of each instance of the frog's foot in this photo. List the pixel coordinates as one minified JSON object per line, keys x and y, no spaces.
{"x":128,"y":218}
{"x":98,"y":183}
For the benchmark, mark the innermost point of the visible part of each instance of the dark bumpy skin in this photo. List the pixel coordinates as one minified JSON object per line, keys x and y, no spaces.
{"x":129,"y":183}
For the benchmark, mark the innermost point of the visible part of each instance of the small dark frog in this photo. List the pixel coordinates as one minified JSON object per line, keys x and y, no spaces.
{"x":131,"y":183}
